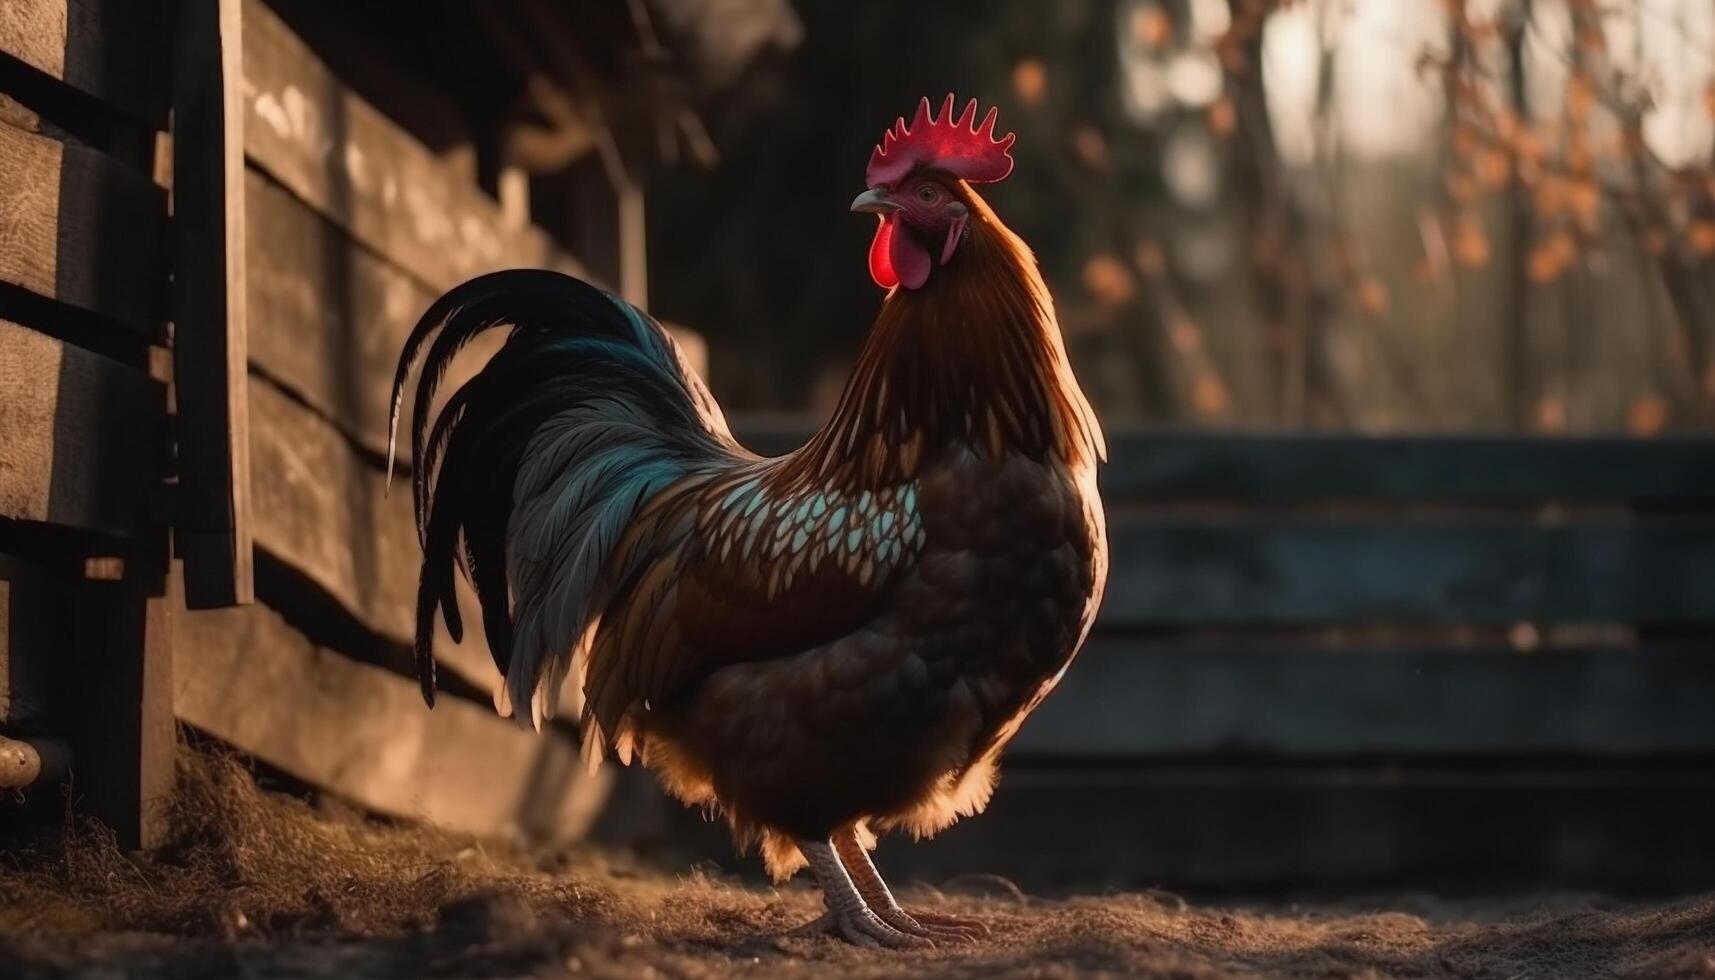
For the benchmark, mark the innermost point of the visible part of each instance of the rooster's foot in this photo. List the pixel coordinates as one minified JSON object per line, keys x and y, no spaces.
{"x":868,"y":881}
{"x":861,"y":927}
{"x":935,"y":926}
{"x":849,"y":915}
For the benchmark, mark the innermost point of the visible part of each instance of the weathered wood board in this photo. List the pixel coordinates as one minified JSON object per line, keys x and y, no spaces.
{"x":1155,"y":466}
{"x":1265,"y":828}
{"x":81,"y":228}
{"x":1138,"y":700}
{"x":246,"y":677}
{"x":328,"y":318}
{"x":110,"y":49}
{"x":355,"y":166}
{"x":209,"y":307}
{"x":1306,"y":571}
{"x":80,"y":436}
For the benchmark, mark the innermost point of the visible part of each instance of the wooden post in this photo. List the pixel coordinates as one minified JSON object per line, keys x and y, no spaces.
{"x":210,"y":338}
{"x":116,"y":697}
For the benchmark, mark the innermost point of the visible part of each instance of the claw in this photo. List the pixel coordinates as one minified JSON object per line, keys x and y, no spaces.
{"x":932,"y":926}
{"x":861,"y":928}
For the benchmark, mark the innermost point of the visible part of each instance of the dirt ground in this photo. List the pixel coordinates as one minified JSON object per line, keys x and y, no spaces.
{"x":259,"y":885}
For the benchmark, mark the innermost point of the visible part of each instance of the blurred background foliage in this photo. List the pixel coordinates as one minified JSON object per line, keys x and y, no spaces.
{"x":1376,"y":215}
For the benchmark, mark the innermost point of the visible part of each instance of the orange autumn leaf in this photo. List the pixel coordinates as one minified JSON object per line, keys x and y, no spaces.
{"x":1543,"y":267}
{"x":1527,"y":145}
{"x":1580,"y":97}
{"x":1372,"y":296}
{"x":1470,"y":242}
{"x":1585,"y":201}
{"x":1550,"y":195}
{"x":1647,"y":415}
{"x":1209,"y":394}
{"x":1091,"y":147}
{"x":1222,"y":117}
{"x":1152,"y":27}
{"x":1701,"y":237}
{"x":1108,"y":280}
{"x":1551,"y":414}
{"x":1492,"y":168}
{"x":1030,"y":81}
{"x":1461,"y":188}
{"x":1184,"y":335}
{"x":1150,"y":259}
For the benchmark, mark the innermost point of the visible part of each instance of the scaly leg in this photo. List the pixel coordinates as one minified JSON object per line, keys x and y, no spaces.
{"x":849,"y":916}
{"x":870,"y":885}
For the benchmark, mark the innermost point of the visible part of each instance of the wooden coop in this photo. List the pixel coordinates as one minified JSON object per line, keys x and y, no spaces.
{"x":219,"y":219}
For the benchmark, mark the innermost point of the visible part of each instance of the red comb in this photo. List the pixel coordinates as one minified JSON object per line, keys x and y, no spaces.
{"x":961,"y":147}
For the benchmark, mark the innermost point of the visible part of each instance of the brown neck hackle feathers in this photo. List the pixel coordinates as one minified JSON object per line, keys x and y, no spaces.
{"x":975,"y":357}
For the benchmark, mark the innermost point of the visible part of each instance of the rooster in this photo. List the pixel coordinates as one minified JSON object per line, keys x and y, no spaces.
{"x":820,"y":646}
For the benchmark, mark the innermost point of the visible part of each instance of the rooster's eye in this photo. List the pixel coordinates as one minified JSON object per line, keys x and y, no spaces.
{"x":927,"y":194}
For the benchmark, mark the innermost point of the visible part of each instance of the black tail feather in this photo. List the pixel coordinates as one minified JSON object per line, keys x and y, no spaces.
{"x":562,"y":333}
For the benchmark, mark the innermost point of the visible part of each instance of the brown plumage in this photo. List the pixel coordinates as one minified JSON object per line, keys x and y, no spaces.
{"x":822,"y":646}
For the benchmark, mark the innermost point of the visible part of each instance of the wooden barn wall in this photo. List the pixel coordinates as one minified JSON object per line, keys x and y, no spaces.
{"x":84,"y":450}
{"x":350,"y":230}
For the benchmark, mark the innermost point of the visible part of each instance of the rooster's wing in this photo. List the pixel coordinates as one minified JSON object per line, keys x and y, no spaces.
{"x":732,"y":568}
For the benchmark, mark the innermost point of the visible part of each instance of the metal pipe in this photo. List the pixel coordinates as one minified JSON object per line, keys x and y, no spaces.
{"x":26,"y":762}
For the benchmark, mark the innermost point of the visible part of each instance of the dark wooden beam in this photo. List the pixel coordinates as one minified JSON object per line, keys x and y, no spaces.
{"x":1271,"y":829}
{"x":1186,"y":571}
{"x":209,"y":313}
{"x":1139,"y":699}
{"x":1158,"y":466}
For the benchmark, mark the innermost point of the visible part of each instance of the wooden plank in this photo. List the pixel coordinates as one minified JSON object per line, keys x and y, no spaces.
{"x":352,"y":164}
{"x":1155,"y":465}
{"x":251,"y":680}
{"x":209,"y":307}
{"x":109,"y":49}
{"x":324,"y":511}
{"x":1264,"y":571}
{"x":1258,"y":829}
{"x":80,"y":436}
{"x":121,"y":725}
{"x":1140,"y":700}
{"x":328,"y":318}
{"x":1406,"y":469}
{"x":81,"y":228}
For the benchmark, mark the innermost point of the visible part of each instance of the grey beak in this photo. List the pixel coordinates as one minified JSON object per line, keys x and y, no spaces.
{"x":874,"y":201}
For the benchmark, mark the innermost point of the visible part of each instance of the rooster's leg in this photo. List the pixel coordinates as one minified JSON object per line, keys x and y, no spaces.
{"x":875,"y":893}
{"x":848,"y":915}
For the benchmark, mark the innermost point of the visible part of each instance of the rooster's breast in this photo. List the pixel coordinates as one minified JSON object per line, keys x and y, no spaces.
{"x":880,"y":723}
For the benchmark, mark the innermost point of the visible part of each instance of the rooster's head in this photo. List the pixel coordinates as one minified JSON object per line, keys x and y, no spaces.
{"x":916,"y":179}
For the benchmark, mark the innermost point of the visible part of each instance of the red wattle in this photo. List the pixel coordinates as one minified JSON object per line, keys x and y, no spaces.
{"x":880,"y":254}
{"x":896,"y":258}
{"x":910,"y":259}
